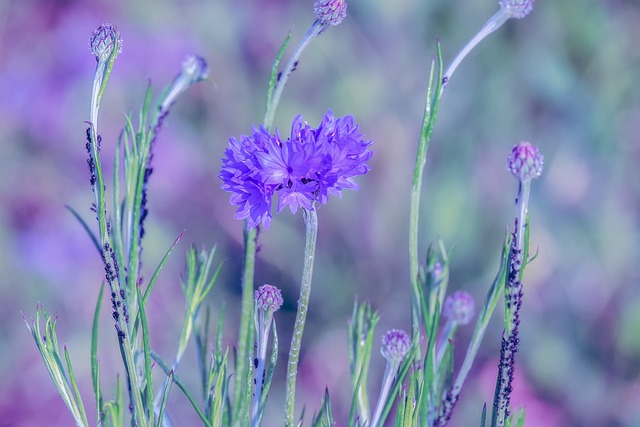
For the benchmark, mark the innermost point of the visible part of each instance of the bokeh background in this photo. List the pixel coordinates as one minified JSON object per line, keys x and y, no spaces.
{"x":564,"y":78}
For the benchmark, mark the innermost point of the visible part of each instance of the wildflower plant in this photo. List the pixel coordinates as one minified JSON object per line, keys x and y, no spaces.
{"x":266,"y":172}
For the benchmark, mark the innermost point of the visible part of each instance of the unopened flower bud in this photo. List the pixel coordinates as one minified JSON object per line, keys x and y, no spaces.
{"x":330,"y":12}
{"x":104,"y":40}
{"x":195,"y":68}
{"x":525,"y":161}
{"x":459,"y":307}
{"x":517,"y":8}
{"x":395,"y":345}
{"x":268,"y":298}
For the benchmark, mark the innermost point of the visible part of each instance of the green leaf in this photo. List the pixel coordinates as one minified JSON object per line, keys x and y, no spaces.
{"x":163,"y":402}
{"x":274,"y":69}
{"x":95,"y":369}
{"x":147,"y":359}
{"x":76,"y":392}
{"x":483,"y":417}
{"x":180,"y":385}
{"x":324,"y":418}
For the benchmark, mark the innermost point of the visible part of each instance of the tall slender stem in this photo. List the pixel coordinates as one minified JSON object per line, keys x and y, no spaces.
{"x":491,"y":25}
{"x":313,"y":31}
{"x":311,"y":224}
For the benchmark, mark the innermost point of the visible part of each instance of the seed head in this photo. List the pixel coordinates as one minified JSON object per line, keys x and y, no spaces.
{"x":268,"y":298}
{"x":459,"y":307}
{"x":517,"y":8}
{"x":330,"y":12}
{"x":103,"y":40}
{"x":525,"y":161}
{"x":395,"y":345}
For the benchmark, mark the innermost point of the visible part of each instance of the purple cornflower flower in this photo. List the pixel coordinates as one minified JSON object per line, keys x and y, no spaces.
{"x":303,"y":170}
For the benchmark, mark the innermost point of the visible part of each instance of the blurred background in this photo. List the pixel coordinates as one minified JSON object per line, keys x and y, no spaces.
{"x":564,"y":78}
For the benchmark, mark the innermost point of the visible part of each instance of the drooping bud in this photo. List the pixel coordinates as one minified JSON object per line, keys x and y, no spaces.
{"x":459,"y":307}
{"x":525,"y":161}
{"x":330,"y":12}
{"x":104,"y":40}
{"x":395,"y":345}
{"x":194,"y":70}
{"x":267,"y":298}
{"x":517,"y":8}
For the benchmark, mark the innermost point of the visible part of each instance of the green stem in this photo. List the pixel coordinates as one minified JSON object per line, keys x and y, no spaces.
{"x":246,"y":321}
{"x":311,"y":224}
{"x":313,"y":31}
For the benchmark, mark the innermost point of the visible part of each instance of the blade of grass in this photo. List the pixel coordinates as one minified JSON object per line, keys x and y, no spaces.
{"x":95,"y":368}
{"x":176,"y":379}
{"x":147,"y":359}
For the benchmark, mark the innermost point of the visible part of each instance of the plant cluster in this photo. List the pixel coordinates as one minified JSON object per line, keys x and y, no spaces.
{"x":420,"y":385}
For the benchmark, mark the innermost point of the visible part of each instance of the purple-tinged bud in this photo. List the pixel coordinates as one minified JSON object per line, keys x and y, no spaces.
{"x":525,"y":161}
{"x":268,"y":298}
{"x":195,"y":68}
{"x":459,"y":307}
{"x":517,"y":8}
{"x":330,"y":12}
{"x":104,"y":40}
{"x":395,"y":345}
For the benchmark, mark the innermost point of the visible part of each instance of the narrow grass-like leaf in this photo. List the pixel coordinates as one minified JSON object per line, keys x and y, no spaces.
{"x":95,"y":369}
{"x":91,"y":234}
{"x":147,"y":359}
{"x":176,"y":379}
{"x":274,"y":69}
{"x":74,"y":385}
{"x":324,"y":418}
{"x":165,"y":399}
{"x":485,"y":315}
{"x":483,"y":417}
{"x":354,"y":400}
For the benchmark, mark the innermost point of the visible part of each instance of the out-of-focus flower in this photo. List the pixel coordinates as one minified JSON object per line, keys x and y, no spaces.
{"x":194,"y":70}
{"x":459,"y":307}
{"x":303,"y":170}
{"x":525,"y":161}
{"x":517,"y":8}
{"x":395,"y":345}
{"x":330,"y":12}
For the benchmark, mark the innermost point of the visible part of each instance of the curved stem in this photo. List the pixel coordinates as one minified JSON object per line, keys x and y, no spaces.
{"x":492,"y":24}
{"x":313,"y":31}
{"x":311,"y":224}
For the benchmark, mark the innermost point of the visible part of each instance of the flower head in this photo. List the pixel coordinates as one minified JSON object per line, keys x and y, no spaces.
{"x":330,"y":12}
{"x":395,"y":345}
{"x":303,"y":170}
{"x":525,"y":161}
{"x":517,"y":8}
{"x":459,"y":307}
{"x":104,"y":40}
{"x":268,"y":297}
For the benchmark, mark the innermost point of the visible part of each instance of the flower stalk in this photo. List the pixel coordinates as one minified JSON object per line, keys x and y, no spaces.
{"x":311,"y":234}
